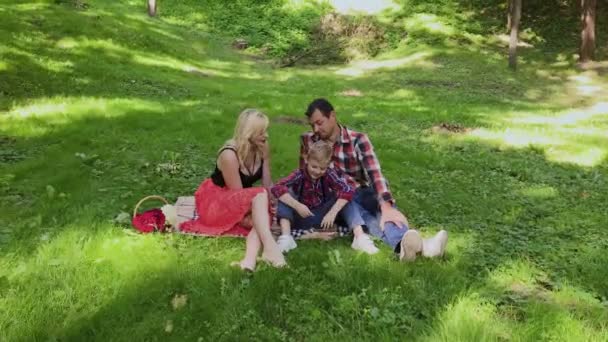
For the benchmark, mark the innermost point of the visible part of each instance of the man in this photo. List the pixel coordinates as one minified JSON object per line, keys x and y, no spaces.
{"x":354,"y":155}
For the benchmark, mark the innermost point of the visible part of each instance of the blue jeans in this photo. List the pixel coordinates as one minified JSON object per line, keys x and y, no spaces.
{"x":349,"y":214}
{"x":367,"y":202}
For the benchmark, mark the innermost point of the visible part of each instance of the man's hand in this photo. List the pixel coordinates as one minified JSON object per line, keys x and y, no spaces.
{"x":303,"y":211}
{"x":390,"y":214}
{"x":329,"y":219}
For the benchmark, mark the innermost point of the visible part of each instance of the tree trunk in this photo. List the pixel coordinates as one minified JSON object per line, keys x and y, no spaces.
{"x":509,"y":14}
{"x":152,"y":8}
{"x":587,"y":51}
{"x":515,"y":18}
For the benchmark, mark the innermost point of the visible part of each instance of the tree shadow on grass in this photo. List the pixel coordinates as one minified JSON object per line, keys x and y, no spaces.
{"x":502,"y":205}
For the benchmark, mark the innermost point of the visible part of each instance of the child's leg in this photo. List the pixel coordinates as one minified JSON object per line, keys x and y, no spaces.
{"x":356,"y":216}
{"x":315,"y":220}
{"x":352,"y":216}
{"x":285,"y":215}
{"x":285,"y":226}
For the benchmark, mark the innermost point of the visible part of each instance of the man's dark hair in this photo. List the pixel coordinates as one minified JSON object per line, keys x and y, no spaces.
{"x":322,"y":105}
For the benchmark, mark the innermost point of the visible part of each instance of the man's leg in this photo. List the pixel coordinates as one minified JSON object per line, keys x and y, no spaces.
{"x":369,"y":208}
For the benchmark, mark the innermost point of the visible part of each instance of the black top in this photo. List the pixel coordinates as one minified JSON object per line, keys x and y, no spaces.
{"x":246,"y":180}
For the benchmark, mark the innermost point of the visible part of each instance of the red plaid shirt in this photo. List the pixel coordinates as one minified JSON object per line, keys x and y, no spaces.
{"x":312,"y":192}
{"x":355,"y":156}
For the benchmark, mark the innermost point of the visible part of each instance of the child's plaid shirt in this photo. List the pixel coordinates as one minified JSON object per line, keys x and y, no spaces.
{"x":355,"y":156}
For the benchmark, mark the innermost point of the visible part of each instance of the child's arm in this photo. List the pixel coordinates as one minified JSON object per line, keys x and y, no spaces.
{"x":343,"y":190}
{"x":298,"y":206}
{"x":330,"y":217}
{"x":281,"y":191}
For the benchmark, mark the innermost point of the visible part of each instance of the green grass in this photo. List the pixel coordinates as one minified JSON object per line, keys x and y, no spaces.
{"x":93,"y":101}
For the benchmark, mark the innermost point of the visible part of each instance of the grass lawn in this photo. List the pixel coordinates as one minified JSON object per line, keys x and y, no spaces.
{"x":101,"y":106}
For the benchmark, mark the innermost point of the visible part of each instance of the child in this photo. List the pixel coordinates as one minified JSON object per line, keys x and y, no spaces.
{"x":314,"y":196}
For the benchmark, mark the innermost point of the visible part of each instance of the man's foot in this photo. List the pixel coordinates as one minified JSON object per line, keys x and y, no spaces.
{"x":435,"y":246}
{"x":364,"y":243}
{"x":286,"y":243}
{"x":411,"y":244}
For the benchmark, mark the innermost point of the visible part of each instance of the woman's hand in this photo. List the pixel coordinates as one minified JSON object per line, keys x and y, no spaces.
{"x":264,"y":147}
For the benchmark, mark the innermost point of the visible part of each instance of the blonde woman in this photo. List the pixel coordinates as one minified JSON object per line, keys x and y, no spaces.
{"x":228,"y":204}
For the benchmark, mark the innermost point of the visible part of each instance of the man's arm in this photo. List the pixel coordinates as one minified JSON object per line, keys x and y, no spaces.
{"x":388,"y":212}
{"x":372,"y":167}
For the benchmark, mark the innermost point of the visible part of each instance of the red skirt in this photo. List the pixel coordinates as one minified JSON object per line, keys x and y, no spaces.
{"x":221,"y":210}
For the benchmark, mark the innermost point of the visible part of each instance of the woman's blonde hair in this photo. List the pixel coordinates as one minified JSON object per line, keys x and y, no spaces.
{"x":251,"y":122}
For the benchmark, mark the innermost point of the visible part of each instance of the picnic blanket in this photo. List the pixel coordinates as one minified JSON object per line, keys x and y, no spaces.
{"x":186,"y":211}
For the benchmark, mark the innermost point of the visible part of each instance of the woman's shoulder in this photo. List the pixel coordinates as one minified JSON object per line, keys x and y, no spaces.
{"x":227,"y":156}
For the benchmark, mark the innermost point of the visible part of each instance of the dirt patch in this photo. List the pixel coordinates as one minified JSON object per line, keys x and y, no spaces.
{"x":197,"y":72}
{"x":600,"y":67}
{"x":352,"y":93}
{"x":431,"y":84}
{"x":285,"y":119}
{"x":453,"y":128}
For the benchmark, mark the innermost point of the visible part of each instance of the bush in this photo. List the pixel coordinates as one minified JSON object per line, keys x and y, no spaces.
{"x":307,"y":32}
{"x":341,"y":38}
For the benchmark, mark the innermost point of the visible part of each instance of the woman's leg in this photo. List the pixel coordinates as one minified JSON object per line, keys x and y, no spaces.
{"x":261,"y":224}
{"x":252,"y":248}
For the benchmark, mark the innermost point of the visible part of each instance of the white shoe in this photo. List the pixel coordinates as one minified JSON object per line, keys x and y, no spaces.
{"x":286,"y":243}
{"x":435,"y":246}
{"x":411,"y":245}
{"x":365,"y":244}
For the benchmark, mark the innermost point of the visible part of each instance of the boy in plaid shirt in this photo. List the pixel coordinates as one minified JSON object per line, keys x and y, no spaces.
{"x":354,"y":155}
{"x":313,"y":196}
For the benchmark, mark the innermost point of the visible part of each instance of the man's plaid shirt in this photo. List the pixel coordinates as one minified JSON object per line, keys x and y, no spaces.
{"x":355,"y":156}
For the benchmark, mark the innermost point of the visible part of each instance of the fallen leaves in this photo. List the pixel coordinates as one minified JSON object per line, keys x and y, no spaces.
{"x":179,"y":301}
{"x":169,"y":326}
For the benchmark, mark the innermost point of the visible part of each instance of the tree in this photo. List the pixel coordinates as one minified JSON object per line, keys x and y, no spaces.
{"x":509,"y":14}
{"x":588,"y":10}
{"x":152,"y":8}
{"x":515,"y":16}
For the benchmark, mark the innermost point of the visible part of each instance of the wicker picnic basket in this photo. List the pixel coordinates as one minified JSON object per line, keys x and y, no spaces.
{"x":160,"y":198}
{"x":167,"y":226}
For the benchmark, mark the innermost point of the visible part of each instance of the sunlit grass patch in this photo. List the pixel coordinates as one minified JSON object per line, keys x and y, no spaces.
{"x":469,"y":318}
{"x":44,"y":115}
{"x":103,"y":106}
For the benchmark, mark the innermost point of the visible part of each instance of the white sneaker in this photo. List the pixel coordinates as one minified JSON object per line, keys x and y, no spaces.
{"x":365,"y":244}
{"x":435,"y":246}
{"x":286,"y":243}
{"x":411,"y":244}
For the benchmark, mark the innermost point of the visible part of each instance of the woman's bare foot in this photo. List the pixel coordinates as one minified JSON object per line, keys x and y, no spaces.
{"x":244,"y":265}
{"x":274,"y":257}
